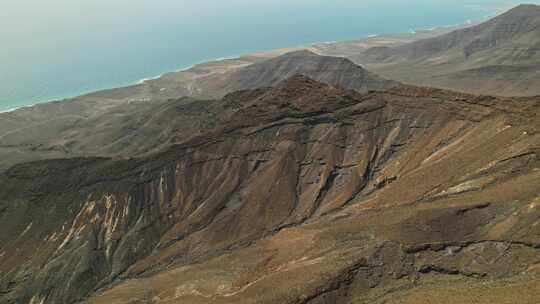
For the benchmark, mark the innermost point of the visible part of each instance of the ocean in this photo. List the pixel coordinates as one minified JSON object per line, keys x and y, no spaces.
{"x":57,"y":49}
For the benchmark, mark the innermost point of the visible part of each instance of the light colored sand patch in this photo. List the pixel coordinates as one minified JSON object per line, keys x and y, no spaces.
{"x":534,"y":205}
{"x":467,"y":186}
{"x":438,"y":60}
{"x":90,"y":207}
{"x":52,"y":238}
{"x":26,"y":230}
{"x":189,"y":289}
{"x":111,"y":221}
{"x":438,"y":155}
{"x":37,"y":300}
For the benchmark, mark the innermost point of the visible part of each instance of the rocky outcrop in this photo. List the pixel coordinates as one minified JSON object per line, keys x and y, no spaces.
{"x":301,"y":193}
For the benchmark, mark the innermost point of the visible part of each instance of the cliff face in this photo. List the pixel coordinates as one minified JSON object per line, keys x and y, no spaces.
{"x":302,"y":193}
{"x":500,"y":56}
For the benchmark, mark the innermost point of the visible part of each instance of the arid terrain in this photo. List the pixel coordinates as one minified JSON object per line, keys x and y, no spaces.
{"x":498,"y":57}
{"x":103,"y":123}
{"x":302,"y":193}
{"x":299,"y":176}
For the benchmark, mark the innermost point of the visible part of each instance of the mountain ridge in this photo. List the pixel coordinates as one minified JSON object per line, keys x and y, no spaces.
{"x":303,"y":183}
{"x":326,"y":69}
{"x":507,"y":42}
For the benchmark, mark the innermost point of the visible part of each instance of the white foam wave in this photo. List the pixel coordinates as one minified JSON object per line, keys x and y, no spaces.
{"x":8,"y":110}
{"x":148,"y":79}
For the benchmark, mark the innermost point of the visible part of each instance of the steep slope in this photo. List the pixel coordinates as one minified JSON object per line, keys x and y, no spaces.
{"x":302,"y":193}
{"x":500,"y":56}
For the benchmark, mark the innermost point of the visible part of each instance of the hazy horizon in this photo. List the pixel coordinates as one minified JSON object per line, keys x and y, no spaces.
{"x":62,"y":48}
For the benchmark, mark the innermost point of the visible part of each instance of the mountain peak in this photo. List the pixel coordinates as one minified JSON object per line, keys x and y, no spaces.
{"x":527,"y":6}
{"x":300,"y":89}
{"x":287,"y":68}
{"x":522,"y":10}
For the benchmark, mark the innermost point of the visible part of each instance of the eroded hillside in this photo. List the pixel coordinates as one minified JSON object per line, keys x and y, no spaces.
{"x":302,"y":193}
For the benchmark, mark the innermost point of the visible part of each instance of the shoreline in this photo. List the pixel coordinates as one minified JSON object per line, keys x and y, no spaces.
{"x":142,"y":81}
{"x":14,"y":109}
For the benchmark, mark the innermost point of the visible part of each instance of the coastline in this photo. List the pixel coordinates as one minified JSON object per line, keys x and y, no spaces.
{"x":259,"y":53}
{"x":14,"y":109}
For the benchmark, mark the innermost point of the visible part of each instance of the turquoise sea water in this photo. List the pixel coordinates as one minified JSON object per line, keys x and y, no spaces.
{"x":61,"y":48}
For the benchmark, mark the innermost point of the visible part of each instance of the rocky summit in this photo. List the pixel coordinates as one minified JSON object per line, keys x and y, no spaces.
{"x":302,"y":192}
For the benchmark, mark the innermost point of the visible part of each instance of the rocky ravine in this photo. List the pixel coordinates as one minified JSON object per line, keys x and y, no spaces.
{"x":303,"y":193}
